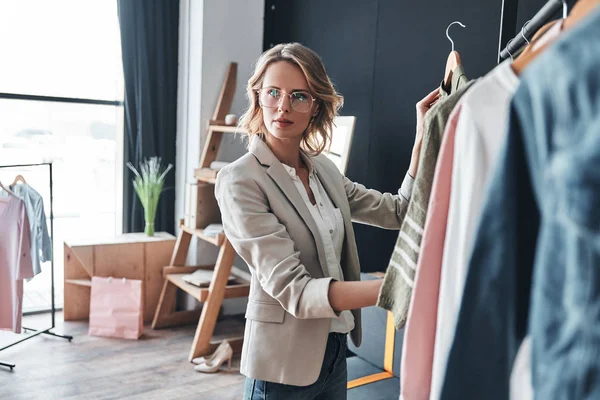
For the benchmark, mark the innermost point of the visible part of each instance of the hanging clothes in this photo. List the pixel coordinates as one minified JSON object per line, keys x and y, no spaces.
{"x":481,"y":127}
{"x":15,"y":261}
{"x":419,"y":334}
{"x":41,"y":245}
{"x":396,"y":291}
{"x":541,"y":217}
{"x":480,"y":133}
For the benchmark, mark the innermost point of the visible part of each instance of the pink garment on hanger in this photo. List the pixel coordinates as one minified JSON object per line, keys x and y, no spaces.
{"x":15,"y":261}
{"x":419,"y":336}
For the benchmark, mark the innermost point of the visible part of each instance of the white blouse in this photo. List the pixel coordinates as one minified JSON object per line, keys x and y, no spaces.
{"x":330,"y":223}
{"x":331,"y":228}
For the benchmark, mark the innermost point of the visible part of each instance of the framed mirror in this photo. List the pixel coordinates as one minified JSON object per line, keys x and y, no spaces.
{"x":343,"y":130}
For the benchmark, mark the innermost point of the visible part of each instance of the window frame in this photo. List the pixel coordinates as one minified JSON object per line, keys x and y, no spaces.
{"x":119,"y":157}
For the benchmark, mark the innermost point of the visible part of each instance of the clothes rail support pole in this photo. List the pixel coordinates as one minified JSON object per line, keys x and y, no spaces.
{"x":47,"y":331}
{"x":508,"y":24}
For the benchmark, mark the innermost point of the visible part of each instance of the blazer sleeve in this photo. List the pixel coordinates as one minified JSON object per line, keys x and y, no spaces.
{"x":265,"y":245}
{"x":371,"y":207}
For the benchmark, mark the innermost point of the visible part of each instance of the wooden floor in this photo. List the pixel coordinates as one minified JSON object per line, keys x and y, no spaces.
{"x":93,"y":368}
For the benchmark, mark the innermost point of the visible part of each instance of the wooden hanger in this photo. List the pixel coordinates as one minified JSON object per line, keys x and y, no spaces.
{"x":453,"y":60}
{"x":18,"y":178}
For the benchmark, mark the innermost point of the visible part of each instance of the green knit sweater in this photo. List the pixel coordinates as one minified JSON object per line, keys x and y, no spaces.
{"x":396,"y":290}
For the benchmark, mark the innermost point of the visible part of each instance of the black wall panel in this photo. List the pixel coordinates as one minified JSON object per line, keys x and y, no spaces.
{"x":412,"y":49}
{"x":343,"y":33}
{"x":384,"y":56}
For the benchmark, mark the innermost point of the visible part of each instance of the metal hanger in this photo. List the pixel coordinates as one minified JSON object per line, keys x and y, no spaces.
{"x":508,"y":49}
{"x":453,"y":58}
{"x":522,"y":31}
{"x":448,"y":28}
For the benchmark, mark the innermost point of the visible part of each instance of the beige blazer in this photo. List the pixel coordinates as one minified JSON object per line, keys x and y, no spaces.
{"x":264,"y":217}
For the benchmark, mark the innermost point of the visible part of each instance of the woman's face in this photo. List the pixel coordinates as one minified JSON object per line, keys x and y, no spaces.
{"x":283,"y":120}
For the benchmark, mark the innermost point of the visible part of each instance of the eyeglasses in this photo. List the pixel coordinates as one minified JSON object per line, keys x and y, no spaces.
{"x":300,"y":100}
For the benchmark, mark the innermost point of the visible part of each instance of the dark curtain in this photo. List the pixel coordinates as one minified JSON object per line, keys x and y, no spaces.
{"x":149,"y":42}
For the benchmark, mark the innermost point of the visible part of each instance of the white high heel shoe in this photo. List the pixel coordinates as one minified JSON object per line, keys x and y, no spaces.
{"x":222,"y":354}
{"x":210,"y":357}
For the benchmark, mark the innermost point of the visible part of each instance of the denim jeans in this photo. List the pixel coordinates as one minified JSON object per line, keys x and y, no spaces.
{"x":331,"y":384}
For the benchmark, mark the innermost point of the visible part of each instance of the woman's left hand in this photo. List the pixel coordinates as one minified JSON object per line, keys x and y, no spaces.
{"x":422,"y":107}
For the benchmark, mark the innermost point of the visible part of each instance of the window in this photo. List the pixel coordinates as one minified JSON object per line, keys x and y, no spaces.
{"x":61,"y":101}
{"x":61,"y":48}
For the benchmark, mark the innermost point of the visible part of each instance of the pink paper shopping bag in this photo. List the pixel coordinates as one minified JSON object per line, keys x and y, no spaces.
{"x":116,"y":308}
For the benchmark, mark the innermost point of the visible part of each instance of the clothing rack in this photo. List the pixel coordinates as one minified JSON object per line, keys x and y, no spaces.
{"x":508,"y":25}
{"x":53,"y":309}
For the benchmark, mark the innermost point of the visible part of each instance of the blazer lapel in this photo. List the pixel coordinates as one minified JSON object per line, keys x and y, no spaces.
{"x":279,"y":175}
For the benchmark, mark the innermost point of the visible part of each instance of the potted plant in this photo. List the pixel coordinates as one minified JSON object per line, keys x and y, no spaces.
{"x":148,"y":185}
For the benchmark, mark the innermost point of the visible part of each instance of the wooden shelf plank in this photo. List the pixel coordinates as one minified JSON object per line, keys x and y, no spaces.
{"x":201,"y":178}
{"x":232,"y":291}
{"x":80,"y":282}
{"x":125,"y":238}
{"x":208,"y":172}
{"x":186,"y":269}
{"x":216,"y":240}
{"x":236,"y":291}
{"x":206,"y":180}
{"x":192,"y":290}
{"x":227,"y":129}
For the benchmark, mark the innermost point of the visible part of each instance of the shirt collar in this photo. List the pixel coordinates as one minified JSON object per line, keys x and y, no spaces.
{"x":458,"y":78}
{"x":292,"y":171}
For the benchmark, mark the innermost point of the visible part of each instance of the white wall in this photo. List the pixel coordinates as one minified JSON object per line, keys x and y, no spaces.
{"x":212,"y":34}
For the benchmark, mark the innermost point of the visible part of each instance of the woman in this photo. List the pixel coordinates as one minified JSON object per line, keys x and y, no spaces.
{"x":288,"y":213}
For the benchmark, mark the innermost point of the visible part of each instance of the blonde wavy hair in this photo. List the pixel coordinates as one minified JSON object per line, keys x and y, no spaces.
{"x":317,"y":136}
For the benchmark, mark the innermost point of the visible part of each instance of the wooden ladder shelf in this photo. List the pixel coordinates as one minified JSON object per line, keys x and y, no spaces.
{"x":219,"y":289}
